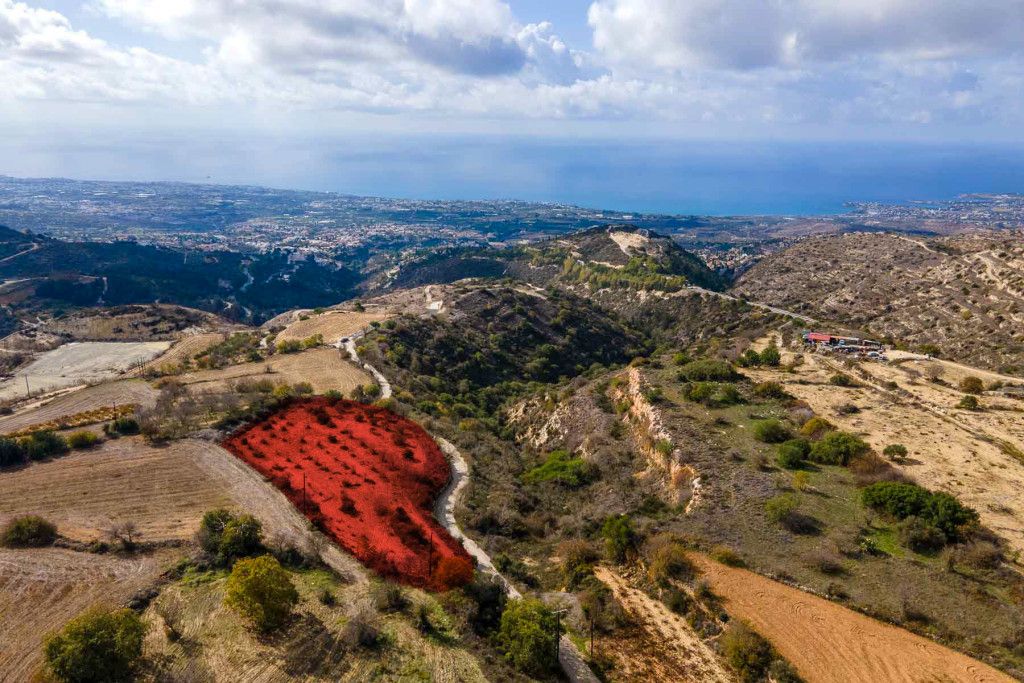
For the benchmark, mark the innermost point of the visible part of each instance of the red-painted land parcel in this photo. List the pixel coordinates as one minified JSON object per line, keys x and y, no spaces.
{"x":371,"y":479}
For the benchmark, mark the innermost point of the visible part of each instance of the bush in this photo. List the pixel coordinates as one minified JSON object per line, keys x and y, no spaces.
{"x":727,"y":556}
{"x":261,"y":592}
{"x":82,"y":439}
{"x":363,"y":630}
{"x":708,"y":371}
{"x":920,"y":536}
{"x":11,"y":453}
{"x":837,"y":448}
{"x":771,"y":356}
{"x":41,"y":445}
{"x":578,"y":560}
{"x":389,"y":597}
{"x":895,"y":451}
{"x":747,"y":653}
{"x":561,"y":468}
{"x":972,"y":385}
{"x":29,"y":531}
{"x":770,"y":390}
{"x":791,"y":454}
{"x":126,"y":426}
{"x":241,"y":538}
{"x":817,"y":427}
{"x":749,"y":359}
{"x":489,"y":598}
{"x":527,"y":637}
{"x":669,"y":561}
{"x":452,"y":572}
{"x":900,"y":501}
{"x":619,"y":537}
{"x":969,"y":402}
{"x":770,"y":431}
{"x":700,"y":392}
{"x":96,"y":646}
{"x":779,"y":508}
{"x":841,"y":380}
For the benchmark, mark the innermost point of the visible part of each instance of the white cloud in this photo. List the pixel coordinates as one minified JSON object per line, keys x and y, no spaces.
{"x":741,"y":34}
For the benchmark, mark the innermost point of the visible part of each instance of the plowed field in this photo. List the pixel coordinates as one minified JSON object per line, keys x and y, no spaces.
{"x":364,"y":475}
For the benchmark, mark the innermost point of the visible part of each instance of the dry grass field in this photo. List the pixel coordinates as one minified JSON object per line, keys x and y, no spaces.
{"x":42,"y":589}
{"x":324,"y":368}
{"x":109,"y":394}
{"x":79,"y":363}
{"x":185,"y":349}
{"x":132,"y":323}
{"x":826,"y":642}
{"x":956,"y":451}
{"x":333,"y":325}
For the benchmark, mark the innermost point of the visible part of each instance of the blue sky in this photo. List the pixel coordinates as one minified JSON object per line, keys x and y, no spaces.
{"x":81,"y":78}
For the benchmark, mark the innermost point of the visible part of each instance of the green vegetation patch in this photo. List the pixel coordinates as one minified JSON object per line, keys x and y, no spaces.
{"x":562,"y":468}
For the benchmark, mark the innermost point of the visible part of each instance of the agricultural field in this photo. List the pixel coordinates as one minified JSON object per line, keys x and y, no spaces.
{"x":364,"y":475}
{"x":66,"y":407}
{"x":42,"y":589}
{"x":79,"y":363}
{"x":331,"y":325}
{"x":132,"y":323}
{"x":183,"y":351}
{"x":324,"y":368}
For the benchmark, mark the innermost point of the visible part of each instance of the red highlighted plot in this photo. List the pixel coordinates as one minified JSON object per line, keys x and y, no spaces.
{"x":368,"y":478}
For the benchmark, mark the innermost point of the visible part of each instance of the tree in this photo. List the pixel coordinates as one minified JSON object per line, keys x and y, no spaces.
{"x":241,"y":538}
{"x":96,"y":646}
{"x":972,"y":385}
{"x":125,"y":533}
{"x":619,"y":537}
{"x":261,"y":592}
{"x":771,"y":356}
{"x":488,"y":594}
{"x":527,"y":636}
{"x":211,"y":528}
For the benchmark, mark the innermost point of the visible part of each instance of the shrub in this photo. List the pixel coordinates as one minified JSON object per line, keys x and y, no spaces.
{"x":747,"y":653}
{"x":817,"y":427}
{"x":969,"y":402}
{"x":972,"y":385}
{"x":29,"y":531}
{"x":452,"y":572}
{"x":527,"y":637}
{"x":708,"y":371}
{"x":837,"y":448}
{"x":770,"y":431}
{"x":45,"y":444}
{"x":11,"y":453}
{"x":791,"y":454}
{"x":125,"y":426}
{"x":261,"y":592}
{"x":211,"y":528}
{"x":241,"y":538}
{"x":489,"y":597}
{"x":780,"y":507}
{"x":96,"y":646}
{"x":578,"y":559}
{"x":981,"y":555}
{"x":750,"y":359}
{"x":669,"y":561}
{"x":920,"y":536}
{"x":895,"y":451}
{"x":900,"y":500}
{"x":770,"y":390}
{"x":681,"y":358}
{"x":561,"y":468}
{"x":700,"y":392}
{"x":82,"y":439}
{"x":771,"y":356}
{"x":389,"y":597}
{"x":841,"y":380}
{"x":727,"y":556}
{"x":363,"y":630}
{"x":619,"y":537}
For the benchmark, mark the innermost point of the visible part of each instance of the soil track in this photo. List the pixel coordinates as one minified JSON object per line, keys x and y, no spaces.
{"x":363,"y":474}
{"x":827,"y":642}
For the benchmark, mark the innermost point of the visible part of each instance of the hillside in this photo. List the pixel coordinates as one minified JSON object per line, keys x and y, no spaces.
{"x":960,"y":294}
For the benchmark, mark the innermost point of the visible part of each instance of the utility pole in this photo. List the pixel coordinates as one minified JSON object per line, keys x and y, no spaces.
{"x":304,"y":492}
{"x":28,"y":392}
{"x":558,"y":631}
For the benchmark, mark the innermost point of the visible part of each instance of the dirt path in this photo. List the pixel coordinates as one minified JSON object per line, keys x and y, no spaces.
{"x":827,"y":642}
{"x":669,"y":649}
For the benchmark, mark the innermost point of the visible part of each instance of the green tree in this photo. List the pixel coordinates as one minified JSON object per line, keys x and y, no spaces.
{"x":527,"y":637}
{"x":30,"y":531}
{"x":837,"y":448}
{"x":771,"y":356}
{"x":261,"y":592}
{"x":211,"y":529}
{"x":241,"y":538}
{"x":619,"y":537}
{"x":96,"y":646}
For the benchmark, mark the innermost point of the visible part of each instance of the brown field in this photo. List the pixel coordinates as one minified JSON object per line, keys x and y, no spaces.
{"x":119,"y":393}
{"x":184,"y":349}
{"x":664,"y":648}
{"x":333,"y":325}
{"x":951,"y":450}
{"x":826,"y":642}
{"x":324,"y":368}
{"x":42,"y":589}
{"x":133,"y":323}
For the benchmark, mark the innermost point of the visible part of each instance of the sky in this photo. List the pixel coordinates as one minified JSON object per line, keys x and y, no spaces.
{"x":105,"y":72}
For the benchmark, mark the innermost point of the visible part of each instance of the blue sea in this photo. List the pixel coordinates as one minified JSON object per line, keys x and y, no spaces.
{"x":653,"y":176}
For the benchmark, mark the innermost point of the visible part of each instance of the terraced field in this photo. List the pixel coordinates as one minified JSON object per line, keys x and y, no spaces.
{"x":324,"y":368}
{"x":109,"y":394}
{"x":333,"y":325}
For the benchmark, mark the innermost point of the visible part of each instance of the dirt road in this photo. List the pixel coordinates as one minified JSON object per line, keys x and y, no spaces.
{"x":829,"y":643}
